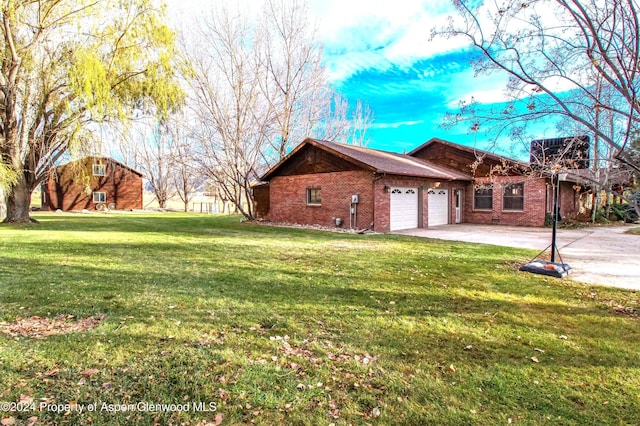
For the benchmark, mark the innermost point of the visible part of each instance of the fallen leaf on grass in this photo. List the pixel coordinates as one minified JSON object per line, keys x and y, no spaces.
{"x":539,"y":350}
{"x":375,"y":413}
{"x":51,"y":372}
{"x":8,"y":421}
{"x":25,"y":399}
{"x":90,"y":372}
{"x":535,"y":359}
{"x":334,"y":412}
{"x":217,"y":421}
{"x":452,"y":369}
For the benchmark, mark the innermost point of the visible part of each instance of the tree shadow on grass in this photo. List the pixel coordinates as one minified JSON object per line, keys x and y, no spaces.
{"x":242,"y":296}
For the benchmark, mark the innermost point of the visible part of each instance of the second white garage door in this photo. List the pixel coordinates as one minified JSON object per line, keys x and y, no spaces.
{"x":438,"y":207}
{"x":403,"y":209}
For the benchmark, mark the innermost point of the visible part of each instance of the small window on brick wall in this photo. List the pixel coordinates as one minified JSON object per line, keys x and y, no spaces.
{"x":99,"y":169}
{"x":99,"y":197}
{"x":513,"y":197}
{"x":314,"y":196}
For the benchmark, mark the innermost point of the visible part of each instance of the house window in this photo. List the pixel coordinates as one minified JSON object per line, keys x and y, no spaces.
{"x":99,"y":197}
{"x":99,"y":169}
{"x":513,"y":197}
{"x":314,"y":196}
{"x":483,"y":197}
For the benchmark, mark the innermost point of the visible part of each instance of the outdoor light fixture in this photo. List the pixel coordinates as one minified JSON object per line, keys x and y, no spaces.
{"x":553,"y":268}
{"x":386,"y":188}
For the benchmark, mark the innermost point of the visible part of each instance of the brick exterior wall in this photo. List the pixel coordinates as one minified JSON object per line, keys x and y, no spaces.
{"x":288,"y":203}
{"x":536,"y":203}
{"x":569,"y":200}
{"x":67,"y":191}
{"x":288,"y":198}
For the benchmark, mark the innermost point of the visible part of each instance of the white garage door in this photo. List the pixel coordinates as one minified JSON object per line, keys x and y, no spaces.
{"x":404,"y":208}
{"x":438,"y":207}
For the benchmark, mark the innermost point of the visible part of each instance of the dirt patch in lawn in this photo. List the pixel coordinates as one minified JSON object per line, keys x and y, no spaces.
{"x":39,"y":328}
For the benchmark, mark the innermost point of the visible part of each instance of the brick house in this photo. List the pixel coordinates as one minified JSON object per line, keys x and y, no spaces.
{"x":93,"y":183}
{"x":330,"y":184}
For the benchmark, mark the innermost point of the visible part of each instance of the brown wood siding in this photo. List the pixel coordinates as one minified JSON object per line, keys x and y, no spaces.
{"x":261,"y":201}
{"x":462,"y":160}
{"x":311,"y":160}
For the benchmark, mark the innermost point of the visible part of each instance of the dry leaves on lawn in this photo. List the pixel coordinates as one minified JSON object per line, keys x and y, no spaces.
{"x":39,"y":328}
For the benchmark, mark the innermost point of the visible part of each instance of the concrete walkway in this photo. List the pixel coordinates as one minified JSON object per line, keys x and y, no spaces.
{"x":599,"y":255}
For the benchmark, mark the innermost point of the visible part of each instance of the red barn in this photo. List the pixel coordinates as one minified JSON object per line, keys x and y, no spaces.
{"x":93,"y":183}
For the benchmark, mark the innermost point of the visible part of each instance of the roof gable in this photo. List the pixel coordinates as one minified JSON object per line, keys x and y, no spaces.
{"x":360,"y":158}
{"x":97,"y":158}
{"x":310,"y":158}
{"x":463,"y":158}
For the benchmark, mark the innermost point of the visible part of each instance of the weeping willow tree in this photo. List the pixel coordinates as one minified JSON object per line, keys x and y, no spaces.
{"x":67,"y":65}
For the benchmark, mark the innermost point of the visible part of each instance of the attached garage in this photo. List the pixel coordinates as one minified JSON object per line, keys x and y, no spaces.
{"x":403,"y":208}
{"x":391,"y":188}
{"x":438,"y":206}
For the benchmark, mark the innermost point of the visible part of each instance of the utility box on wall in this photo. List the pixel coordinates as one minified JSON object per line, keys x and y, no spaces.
{"x":354,"y":199}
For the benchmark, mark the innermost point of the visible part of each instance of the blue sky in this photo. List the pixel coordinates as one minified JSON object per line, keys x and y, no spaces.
{"x":379,"y":51}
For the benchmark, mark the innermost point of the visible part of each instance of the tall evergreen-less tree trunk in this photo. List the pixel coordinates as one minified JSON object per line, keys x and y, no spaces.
{"x":19,"y":201}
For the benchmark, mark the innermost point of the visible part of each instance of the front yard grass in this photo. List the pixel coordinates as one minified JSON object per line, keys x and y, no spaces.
{"x":270,"y":325}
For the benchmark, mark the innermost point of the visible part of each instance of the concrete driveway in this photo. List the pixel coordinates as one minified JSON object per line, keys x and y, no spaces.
{"x":599,"y":255}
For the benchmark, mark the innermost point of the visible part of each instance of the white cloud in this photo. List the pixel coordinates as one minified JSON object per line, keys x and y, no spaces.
{"x":396,"y":125}
{"x":357,"y":34}
{"x":384,"y":32}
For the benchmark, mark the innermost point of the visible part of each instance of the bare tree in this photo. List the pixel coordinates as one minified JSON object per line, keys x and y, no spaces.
{"x":290,"y":64}
{"x":149,"y":146}
{"x":340,"y":123}
{"x":564,"y":58}
{"x":184,"y":175}
{"x":257,"y":88}
{"x":233,"y":118}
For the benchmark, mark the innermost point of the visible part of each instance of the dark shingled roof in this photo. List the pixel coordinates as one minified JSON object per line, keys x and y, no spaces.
{"x":380,"y":161}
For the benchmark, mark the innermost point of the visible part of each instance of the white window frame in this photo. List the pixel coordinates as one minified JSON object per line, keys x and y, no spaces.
{"x":99,"y":169}
{"x":99,"y":197}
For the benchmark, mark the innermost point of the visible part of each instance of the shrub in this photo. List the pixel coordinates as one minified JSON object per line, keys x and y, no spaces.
{"x":624,"y":211}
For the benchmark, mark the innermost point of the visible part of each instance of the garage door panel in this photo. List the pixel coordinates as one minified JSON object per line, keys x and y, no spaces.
{"x":403,"y":208}
{"x":438,"y":207}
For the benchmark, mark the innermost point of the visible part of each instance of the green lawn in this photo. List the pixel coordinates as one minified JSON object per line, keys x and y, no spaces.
{"x":291,"y":326}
